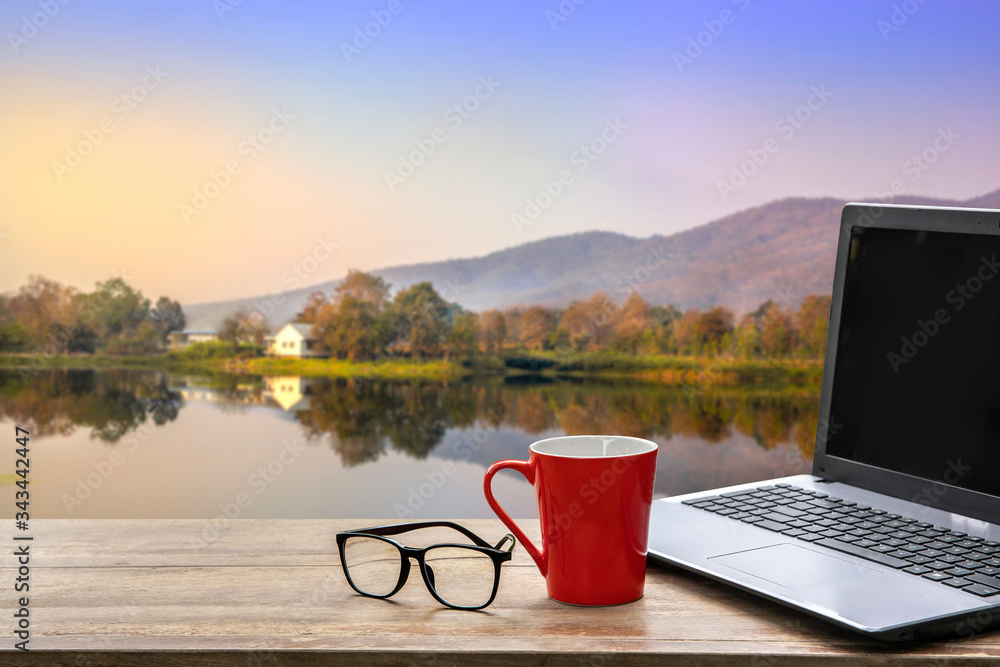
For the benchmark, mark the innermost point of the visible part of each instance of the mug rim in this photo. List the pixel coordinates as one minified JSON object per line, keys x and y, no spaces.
{"x":653,"y":447}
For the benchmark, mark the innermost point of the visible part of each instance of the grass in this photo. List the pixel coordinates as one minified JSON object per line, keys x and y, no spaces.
{"x":700,"y":372}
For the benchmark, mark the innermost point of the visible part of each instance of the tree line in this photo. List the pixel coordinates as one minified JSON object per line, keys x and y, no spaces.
{"x":359,"y":321}
{"x":362,"y":320}
{"x":46,"y":316}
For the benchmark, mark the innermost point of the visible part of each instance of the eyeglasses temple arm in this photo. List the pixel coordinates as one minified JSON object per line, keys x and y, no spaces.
{"x":398,"y":528}
{"x":506,"y":538}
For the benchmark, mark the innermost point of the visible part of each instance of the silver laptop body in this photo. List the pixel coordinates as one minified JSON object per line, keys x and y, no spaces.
{"x":909,"y":427}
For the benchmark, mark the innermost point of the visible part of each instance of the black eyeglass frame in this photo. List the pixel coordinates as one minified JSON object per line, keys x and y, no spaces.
{"x":499,"y":554}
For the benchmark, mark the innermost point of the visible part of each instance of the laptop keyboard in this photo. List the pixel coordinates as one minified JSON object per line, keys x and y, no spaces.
{"x":953,"y":558}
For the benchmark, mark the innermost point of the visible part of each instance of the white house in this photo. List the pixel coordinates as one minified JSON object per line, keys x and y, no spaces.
{"x":294,"y":340}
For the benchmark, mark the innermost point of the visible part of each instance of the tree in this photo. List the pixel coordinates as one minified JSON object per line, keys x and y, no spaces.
{"x":492,"y":331}
{"x":315,"y":303}
{"x":747,"y":337}
{"x":588,"y":324}
{"x":463,"y":334}
{"x":47,"y":311}
{"x":812,"y":321}
{"x":633,"y":325}
{"x":116,"y":308}
{"x":354,"y":324}
{"x":14,"y":338}
{"x":420,"y":320}
{"x":664,"y":319}
{"x":714,"y":325}
{"x":169,"y":316}
{"x":776,"y":332}
{"x":686,"y":332}
{"x":244,"y":326}
{"x":538,"y":325}
{"x":363,"y":287}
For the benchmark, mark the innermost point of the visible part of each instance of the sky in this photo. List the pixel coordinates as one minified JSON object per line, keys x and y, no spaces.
{"x":215,"y":149}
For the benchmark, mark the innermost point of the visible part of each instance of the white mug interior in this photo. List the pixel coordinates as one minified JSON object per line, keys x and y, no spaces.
{"x":592,"y":446}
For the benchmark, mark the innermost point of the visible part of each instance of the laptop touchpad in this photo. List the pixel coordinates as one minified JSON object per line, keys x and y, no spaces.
{"x":794,"y":567}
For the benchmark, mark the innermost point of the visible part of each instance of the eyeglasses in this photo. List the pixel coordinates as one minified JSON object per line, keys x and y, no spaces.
{"x":460,"y":576}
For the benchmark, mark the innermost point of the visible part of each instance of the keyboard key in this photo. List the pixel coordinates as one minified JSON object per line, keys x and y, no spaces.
{"x":970,"y":565}
{"x":917,"y":569}
{"x":980,"y":590}
{"x":949,"y":558}
{"x":867,"y":554}
{"x":831,"y":533}
{"x":794,"y":532}
{"x":956,"y":583}
{"x":865,"y":544}
{"x":822,"y":502}
{"x":882,"y":548}
{"x":983,"y":579}
{"x":810,"y":537}
{"x":958,"y":551}
{"x":938,"y":565}
{"x":772,"y":525}
{"x":780,"y":518}
{"x":967,"y":543}
{"x":987,"y":570}
{"x":931,"y":553}
{"x":958,"y":571}
{"x":920,"y":560}
{"x":937,"y":576}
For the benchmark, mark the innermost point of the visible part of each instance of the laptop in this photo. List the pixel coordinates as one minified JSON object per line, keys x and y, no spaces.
{"x":896,"y":533}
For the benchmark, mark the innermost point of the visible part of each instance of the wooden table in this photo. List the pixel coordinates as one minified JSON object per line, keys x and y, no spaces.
{"x":271,"y":592}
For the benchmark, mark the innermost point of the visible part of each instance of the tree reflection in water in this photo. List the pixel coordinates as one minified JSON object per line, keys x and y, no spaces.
{"x":363,"y":420}
{"x":111,"y":402}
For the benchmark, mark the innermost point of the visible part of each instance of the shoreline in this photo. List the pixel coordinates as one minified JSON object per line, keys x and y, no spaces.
{"x":700,"y":372}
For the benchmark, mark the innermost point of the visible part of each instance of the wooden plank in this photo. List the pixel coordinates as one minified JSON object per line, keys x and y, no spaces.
{"x":272,"y":592}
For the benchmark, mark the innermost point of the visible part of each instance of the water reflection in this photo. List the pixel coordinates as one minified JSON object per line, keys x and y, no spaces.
{"x":364,"y":420}
{"x":112,"y":403}
{"x":368,"y":444}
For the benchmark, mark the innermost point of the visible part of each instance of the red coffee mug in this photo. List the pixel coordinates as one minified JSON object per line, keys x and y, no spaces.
{"x":594,"y":496}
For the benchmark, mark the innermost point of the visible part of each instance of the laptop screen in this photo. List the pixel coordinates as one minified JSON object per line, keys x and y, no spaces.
{"x":916,"y":385}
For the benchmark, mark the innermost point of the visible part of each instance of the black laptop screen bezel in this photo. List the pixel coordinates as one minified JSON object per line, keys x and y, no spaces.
{"x":889,"y":482}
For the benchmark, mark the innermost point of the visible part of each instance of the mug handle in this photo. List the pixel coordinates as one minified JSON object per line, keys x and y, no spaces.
{"x":526,"y":468}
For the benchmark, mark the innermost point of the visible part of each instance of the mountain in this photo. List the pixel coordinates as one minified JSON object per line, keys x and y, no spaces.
{"x":782,"y":250}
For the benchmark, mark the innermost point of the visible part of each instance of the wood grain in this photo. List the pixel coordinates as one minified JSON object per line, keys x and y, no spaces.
{"x":271,"y":592}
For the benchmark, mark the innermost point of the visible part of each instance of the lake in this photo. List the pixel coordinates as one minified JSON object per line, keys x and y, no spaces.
{"x":144,"y":444}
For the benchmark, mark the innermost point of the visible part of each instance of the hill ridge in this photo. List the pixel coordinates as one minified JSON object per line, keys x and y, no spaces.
{"x":783,"y":247}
